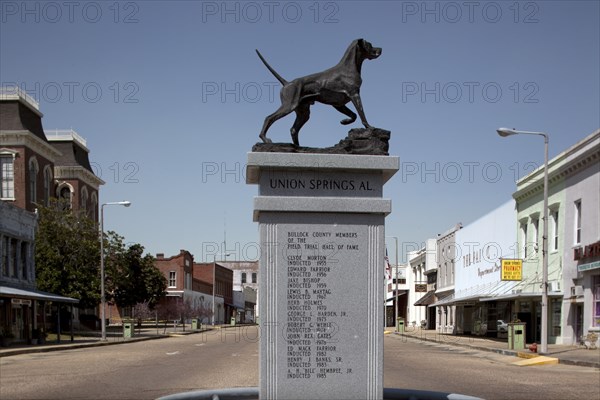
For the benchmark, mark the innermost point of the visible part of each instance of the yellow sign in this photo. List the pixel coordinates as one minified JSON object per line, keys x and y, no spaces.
{"x":512,"y":269}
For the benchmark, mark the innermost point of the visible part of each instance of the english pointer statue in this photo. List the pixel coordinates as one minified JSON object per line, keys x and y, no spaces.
{"x":335,"y":86}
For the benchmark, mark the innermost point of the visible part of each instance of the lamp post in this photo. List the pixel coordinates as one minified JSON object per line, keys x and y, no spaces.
{"x":102,"y":294}
{"x":504,"y":132}
{"x":215,"y":282}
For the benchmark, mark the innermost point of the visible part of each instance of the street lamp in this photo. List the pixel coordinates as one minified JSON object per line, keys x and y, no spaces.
{"x":215,"y":282}
{"x":102,"y":294}
{"x":504,"y":132}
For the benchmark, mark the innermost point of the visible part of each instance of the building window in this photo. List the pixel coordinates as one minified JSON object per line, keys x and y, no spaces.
{"x":556,"y":316}
{"x":554,"y":219}
{"x":33,"y":171}
{"x":188,"y":281}
{"x":243,"y":277}
{"x":535,"y":223}
{"x":94,"y":207}
{"x":84,"y":200}
{"x":578,"y":222}
{"x":445,"y":274}
{"x":13,"y":258}
{"x":524,"y":239}
{"x":254,"y":277}
{"x":5,"y":244}
{"x":7,"y":176}
{"x":64,"y":196}
{"x":172,"y":278}
{"x":47,"y":185}
{"x":24,"y":261}
{"x":596,"y":305}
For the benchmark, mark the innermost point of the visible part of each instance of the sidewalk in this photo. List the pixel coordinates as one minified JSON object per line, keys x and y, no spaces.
{"x":566,"y":354}
{"x":570,"y":355}
{"x":113,"y":337}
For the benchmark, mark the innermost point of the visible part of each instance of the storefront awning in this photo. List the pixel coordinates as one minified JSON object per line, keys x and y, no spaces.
{"x":453,"y":301}
{"x":390,"y":300}
{"x":32,"y":294}
{"x":426,"y":300}
{"x":515,"y":296}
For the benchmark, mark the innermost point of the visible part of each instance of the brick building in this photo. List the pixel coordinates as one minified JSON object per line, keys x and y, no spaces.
{"x":192,"y":282}
{"x":245,"y":284}
{"x":35,"y":166}
{"x":33,"y":170}
{"x":222,"y":278}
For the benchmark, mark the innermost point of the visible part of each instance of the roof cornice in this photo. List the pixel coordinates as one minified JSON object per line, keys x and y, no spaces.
{"x":77,"y":172}
{"x":566,"y":164}
{"x":28,"y":139}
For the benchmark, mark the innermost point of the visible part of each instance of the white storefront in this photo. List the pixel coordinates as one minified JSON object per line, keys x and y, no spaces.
{"x":480,"y":246}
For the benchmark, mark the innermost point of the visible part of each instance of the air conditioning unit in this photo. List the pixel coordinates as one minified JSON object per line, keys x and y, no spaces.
{"x":554,"y":286}
{"x":577,"y":291}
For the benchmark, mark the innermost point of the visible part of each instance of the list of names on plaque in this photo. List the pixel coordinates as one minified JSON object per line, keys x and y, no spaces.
{"x":314,"y":317}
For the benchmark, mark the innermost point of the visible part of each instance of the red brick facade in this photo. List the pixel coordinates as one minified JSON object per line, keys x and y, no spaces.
{"x":61,"y":162}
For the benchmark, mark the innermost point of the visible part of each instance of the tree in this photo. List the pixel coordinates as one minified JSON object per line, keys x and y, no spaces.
{"x":131,"y":276}
{"x":67,"y":254}
{"x":140,"y":312}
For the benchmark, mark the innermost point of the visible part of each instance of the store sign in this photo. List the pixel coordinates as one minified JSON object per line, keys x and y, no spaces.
{"x":587,"y":267}
{"x":20,"y":302}
{"x":512,"y":269}
{"x":421,"y":287}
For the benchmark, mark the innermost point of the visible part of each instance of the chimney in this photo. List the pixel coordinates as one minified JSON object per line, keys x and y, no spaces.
{"x":160,"y":256}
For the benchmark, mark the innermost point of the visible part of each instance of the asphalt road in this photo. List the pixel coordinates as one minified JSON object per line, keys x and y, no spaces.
{"x":146,"y":370}
{"x":421,"y":365}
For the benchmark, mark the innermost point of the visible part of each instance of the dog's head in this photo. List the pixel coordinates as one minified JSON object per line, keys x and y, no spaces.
{"x":368,"y":50}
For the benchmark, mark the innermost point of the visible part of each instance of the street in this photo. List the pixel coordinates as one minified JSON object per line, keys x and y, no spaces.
{"x":229,"y":358}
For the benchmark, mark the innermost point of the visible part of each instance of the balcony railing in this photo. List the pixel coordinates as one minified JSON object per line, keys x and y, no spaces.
{"x":16,"y":93}
{"x":64,"y":134}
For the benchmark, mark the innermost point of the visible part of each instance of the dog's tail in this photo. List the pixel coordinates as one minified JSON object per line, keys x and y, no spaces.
{"x":275,"y":74}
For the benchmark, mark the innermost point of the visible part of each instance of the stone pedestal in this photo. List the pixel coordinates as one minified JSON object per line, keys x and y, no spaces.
{"x":321,"y":273}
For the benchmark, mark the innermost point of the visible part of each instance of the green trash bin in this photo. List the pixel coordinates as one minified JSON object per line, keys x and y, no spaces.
{"x":127,"y":329}
{"x":516,"y":336}
{"x":232,"y":321}
{"x":195,"y":324}
{"x":400,"y":325}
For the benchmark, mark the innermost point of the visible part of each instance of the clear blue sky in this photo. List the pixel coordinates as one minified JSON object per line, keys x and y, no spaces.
{"x":171,"y":96}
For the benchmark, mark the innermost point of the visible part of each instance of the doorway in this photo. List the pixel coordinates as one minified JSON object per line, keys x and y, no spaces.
{"x":578,"y":323}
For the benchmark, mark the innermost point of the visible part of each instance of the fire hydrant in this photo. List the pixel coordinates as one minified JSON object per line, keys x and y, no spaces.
{"x":533,"y":347}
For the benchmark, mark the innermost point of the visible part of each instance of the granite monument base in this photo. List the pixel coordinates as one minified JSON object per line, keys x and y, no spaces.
{"x":321,"y":273}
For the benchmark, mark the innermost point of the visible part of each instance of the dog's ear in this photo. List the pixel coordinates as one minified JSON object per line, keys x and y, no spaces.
{"x":361,"y":42}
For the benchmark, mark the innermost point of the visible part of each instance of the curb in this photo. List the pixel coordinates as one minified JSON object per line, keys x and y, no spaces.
{"x":67,"y":346}
{"x":505,"y":352}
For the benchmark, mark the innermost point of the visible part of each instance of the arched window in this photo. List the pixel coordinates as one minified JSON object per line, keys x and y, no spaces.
{"x":65,"y":195}
{"x":33,"y":171}
{"x":83,"y":200}
{"x":94,"y":207}
{"x":47,"y":184}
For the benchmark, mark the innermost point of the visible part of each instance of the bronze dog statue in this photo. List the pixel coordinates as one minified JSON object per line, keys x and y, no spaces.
{"x":335,"y":86}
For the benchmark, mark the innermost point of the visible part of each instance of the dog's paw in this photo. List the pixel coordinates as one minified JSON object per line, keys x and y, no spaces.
{"x":347,"y":121}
